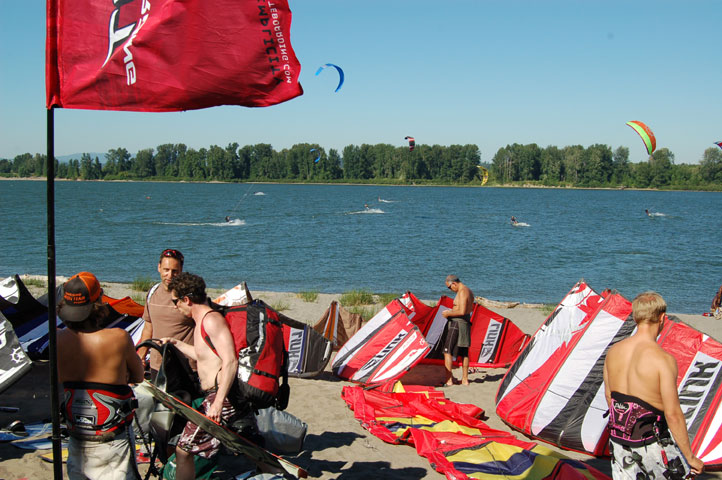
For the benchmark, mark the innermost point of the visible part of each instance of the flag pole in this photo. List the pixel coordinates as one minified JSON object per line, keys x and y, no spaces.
{"x":54,"y":394}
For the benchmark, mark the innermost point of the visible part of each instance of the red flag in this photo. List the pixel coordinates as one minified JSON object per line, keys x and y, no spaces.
{"x":166,"y":55}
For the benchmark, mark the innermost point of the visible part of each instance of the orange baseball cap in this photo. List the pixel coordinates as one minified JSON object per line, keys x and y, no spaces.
{"x":80,"y":292}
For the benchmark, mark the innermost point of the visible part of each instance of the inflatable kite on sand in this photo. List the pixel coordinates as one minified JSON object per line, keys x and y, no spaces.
{"x":554,"y":391}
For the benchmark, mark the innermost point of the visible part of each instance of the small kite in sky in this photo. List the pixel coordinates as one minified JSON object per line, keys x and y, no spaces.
{"x":719,"y":144}
{"x":340,"y":74}
{"x":412,"y":143}
{"x":318,"y":155}
{"x":649,"y":141}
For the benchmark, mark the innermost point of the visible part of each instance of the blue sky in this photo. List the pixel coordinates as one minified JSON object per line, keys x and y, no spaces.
{"x":488,"y":73}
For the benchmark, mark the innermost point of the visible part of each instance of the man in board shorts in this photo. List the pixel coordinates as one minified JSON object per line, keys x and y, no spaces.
{"x":458,"y":335}
{"x":95,"y":365}
{"x":217,"y":363}
{"x":640,"y":384}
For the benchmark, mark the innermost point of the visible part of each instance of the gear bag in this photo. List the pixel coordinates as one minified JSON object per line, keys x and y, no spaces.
{"x":262,"y":358}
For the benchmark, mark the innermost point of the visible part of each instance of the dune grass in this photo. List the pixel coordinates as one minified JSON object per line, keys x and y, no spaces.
{"x":356,"y":297}
{"x":366,"y":312}
{"x":138,"y":298}
{"x":34,"y":282}
{"x":309,"y":296}
{"x":280,"y":305}
{"x":142,"y":284}
{"x":548,"y":308}
{"x":386,"y":298}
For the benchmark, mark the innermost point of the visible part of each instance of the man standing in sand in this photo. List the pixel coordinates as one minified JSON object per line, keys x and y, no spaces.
{"x":95,"y":365}
{"x":458,"y":334}
{"x":640,"y":384}
{"x":215,"y":353}
{"x":161,"y":317}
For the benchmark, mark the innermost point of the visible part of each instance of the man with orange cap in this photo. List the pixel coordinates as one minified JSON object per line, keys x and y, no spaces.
{"x":95,"y":365}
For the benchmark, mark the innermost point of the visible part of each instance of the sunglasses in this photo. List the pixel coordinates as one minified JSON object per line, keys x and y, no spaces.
{"x":176,"y":300}
{"x":172,"y":253}
{"x":449,"y":285}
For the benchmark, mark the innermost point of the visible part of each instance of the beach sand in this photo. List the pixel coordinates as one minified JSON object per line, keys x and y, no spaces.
{"x":336,"y":446}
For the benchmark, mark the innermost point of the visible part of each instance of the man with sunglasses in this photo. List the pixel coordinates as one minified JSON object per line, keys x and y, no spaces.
{"x":161,"y":317}
{"x":215,"y":353}
{"x":458,"y":331}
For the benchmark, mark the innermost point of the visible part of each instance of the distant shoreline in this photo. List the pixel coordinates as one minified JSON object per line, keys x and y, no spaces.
{"x":267,"y":182}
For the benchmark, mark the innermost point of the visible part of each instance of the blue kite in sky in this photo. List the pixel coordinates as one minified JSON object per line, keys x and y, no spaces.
{"x":340,"y":74}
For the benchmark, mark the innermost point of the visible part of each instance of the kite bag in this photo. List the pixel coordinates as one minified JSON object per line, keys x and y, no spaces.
{"x":262,"y":357}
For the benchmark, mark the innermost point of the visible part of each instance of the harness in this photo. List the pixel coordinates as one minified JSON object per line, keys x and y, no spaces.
{"x":97,"y":411}
{"x":634,"y":422}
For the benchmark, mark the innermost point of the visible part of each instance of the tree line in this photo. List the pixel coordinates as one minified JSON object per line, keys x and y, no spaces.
{"x":593,"y":166}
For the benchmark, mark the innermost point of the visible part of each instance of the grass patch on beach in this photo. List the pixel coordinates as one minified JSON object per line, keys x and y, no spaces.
{"x":310,"y":296}
{"x":548,"y":308}
{"x":280,"y":306}
{"x":366,"y":312}
{"x":142,"y":284}
{"x":138,"y":298}
{"x":356,"y":297}
{"x":386,"y":298}
{"x":34,"y":282}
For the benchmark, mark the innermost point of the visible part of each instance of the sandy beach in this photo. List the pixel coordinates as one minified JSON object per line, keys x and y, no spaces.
{"x":336,"y":446}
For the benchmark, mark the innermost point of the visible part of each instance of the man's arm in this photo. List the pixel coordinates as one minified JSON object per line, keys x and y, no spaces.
{"x":673,"y":411}
{"x":133,"y":362}
{"x":185,"y":349}
{"x":147,"y":334}
{"x":217,"y":329}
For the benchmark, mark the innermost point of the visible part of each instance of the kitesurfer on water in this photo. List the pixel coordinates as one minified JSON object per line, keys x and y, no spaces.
{"x":228,"y":219}
{"x":458,"y":329}
{"x":95,"y":365}
{"x":640,"y":385}
{"x":513,"y":220}
{"x":647,"y":212}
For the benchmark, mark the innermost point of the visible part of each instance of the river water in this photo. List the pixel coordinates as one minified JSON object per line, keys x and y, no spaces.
{"x":322,"y":237}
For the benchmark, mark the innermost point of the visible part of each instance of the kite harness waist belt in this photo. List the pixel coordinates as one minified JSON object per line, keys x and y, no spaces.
{"x":634,"y":422}
{"x":97,"y":411}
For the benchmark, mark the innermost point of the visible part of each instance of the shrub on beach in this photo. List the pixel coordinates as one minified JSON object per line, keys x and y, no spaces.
{"x":142,"y":284}
{"x":309,"y":296}
{"x":386,"y":298}
{"x":356,"y":297}
{"x":280,"y":306}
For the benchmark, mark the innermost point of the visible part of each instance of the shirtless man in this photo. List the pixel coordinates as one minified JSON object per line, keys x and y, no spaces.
{"x":458,"y":336}
{"x":640,"y":384}
{"x":95,"y":366}
{"x":217,"y":368}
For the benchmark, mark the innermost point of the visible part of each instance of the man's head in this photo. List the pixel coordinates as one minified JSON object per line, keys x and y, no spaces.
{"x":169,"y":265}
{"x":82,"y":296}
{"x":452,"y":282}
{"x":187,"y":289}
{"x":648,"y":307}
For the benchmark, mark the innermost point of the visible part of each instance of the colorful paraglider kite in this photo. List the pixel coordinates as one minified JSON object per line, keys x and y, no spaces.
{"x":340,"y":74}
{"x":318,"y":155}
{"x":412,"y":143}
{"x":719,"y":144}
{"x":649,"y":141}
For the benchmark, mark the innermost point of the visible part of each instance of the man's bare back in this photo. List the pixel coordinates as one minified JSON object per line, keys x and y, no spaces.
{"x":103,"y":356}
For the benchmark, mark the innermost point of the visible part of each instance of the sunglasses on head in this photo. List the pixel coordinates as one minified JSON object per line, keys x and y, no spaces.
{"x":172,"y":253}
